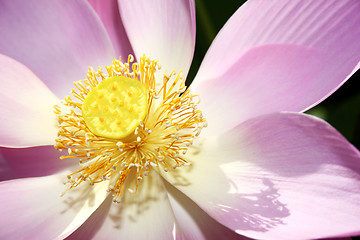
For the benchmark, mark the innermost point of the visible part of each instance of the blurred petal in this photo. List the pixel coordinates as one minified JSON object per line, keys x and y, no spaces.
{"x":108,"y":11}
{"x":32,"y":162}
{"x":278,"y":176}
{"x":163,"y":30}
{"x":33,"y":205}
{"x":193,"y":221}
{"x":280,"y":56}
{"x":58,"y":40}
{"x":27,"y":113}
{"x":145,"y":214}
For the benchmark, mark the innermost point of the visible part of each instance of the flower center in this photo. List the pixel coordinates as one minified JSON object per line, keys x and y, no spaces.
{"x":122,"y":122}
{"x":114,"y":108}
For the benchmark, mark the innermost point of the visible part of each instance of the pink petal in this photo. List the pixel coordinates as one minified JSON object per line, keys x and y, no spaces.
{"x":34,"y":209}
{"x":194,"y":222}
{"x":278,"y":176}
{"x":161,"y":29}
{"x":27,"y":113}
{"x":93,"y":223}
{"x":143,"y":215}
{"x":32,"y":162}
{"x":280,"y":56}
{"x":108,"y":11}
{"x":57,"y":40}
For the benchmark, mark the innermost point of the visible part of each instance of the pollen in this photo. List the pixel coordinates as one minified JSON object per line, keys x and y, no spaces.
{"x":120,"y":121}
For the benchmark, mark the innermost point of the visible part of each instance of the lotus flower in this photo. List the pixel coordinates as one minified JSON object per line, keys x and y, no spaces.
{"x":260,"y":169}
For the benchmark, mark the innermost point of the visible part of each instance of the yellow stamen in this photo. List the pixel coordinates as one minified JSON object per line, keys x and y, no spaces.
{"x":120,"y":122}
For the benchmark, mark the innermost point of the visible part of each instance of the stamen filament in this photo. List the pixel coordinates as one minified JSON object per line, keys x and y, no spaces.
{"x":160,"y":140}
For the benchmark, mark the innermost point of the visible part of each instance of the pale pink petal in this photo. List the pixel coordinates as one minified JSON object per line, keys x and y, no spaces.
{"x":27,"y":114}
{"x":58,"y":40}
{"x":278,"y":176}
{"x":143,"y":215}
{"x":89,"y":228}
{"x":108,"y":11}
{"x":279,"y":56}
{"x":194,"y":222}
{"x":34,"y":209}
{"x":32,"y":162}
{"x":163,"y":30}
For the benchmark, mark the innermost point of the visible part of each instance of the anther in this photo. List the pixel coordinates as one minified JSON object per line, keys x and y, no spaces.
{"x":119,"y":103}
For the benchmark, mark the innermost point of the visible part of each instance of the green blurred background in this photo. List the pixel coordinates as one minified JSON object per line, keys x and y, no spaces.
{"x":341,"y":109}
